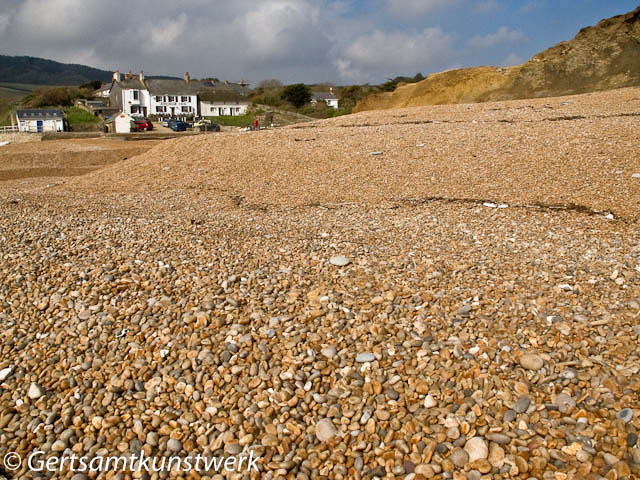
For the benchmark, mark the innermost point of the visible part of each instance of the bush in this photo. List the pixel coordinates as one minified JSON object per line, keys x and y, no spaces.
{"x":297,"y":94}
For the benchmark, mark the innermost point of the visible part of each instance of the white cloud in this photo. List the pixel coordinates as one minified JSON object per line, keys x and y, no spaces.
{"x":396,"y":52}
{"x":487,"y":6}
{"x":283,"y":30}
{"x":4,"y":22}
{"x":60,"y":20}
{"x":293,"y":40}
{"x":413,"y":8}
{"x":511,"y":60}
{"x":501,"y":36}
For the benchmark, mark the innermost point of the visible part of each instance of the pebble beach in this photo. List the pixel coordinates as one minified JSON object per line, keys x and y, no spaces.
{"x":448,"y":292}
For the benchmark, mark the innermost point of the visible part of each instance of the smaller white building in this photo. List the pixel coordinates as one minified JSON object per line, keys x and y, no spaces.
{"x":103,"y":92}
{"x":40,"y":120}
{"x":327,"y":97}
{"x":122,"y":122}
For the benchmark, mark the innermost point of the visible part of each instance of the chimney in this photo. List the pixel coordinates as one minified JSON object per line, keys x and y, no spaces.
{"x":116,"y":75}
{"x":141,"y":76}
{"x":187,"y":78}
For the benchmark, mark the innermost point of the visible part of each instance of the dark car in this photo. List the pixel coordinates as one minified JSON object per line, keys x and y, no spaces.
{"x":178,"y":126}
{"x":142,"y":125}
{"x":209,"y":127}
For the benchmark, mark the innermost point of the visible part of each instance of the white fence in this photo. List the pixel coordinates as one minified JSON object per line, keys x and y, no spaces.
{"x":9,"y":129}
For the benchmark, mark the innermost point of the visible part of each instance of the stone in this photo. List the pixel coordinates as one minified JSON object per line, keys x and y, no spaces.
{"x":174,"y":445}
{"x":632,"y":439}
{"x":58,"y":446}
{"x":531,"y":361}
{"x":339,"y":261}
{"x":4,"y":373}
{"x":325,"y":430}
{"x":565,"y":403}
{"x":476,"y":448}
{"x":626,"y":414}
{"x":522,"y":404}
{"x":329,"y":352}
{"x":35,"y":391}
{"x":459,"y":457}
{"x":496,"y":456}
{"x":365,"y":357}
{"x":499,"y":438}
{"x":510,"y":415}
{"x":430,"y":401}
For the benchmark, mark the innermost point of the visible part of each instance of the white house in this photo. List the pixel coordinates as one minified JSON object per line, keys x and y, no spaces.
{"x":40,"y":120}
{"x":215,"y":102}
{"x":103,"y":92}
{"x":130,"y":94}
{"x":173,"y":97}
{"x":327,"y":97}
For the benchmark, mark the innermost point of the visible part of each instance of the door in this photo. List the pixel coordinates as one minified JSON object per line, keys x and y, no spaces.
{"x":39,"y":125}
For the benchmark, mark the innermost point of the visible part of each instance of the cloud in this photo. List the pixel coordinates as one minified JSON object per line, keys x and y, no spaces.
{"x":344,"y":41}
{"x":511,"y":60}
{"x":284,"y":31}
{"x":501,"y":36}
{"x":396,"y":52}
{"x":419,"y":8}
{"x":487,"y":6}
{"x":4,"y":22}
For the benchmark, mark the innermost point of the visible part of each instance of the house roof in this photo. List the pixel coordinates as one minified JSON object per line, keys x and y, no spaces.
{"x":132,"y":84}
{"x":323,"y":96}
{"x":222,"y":95}
{"x":40,"y":114}
{"x":173,"y":87}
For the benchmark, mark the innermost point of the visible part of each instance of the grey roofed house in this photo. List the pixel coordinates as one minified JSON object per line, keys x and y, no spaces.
{"x":222,"y":95}
{"x":317,"y":96}
{"x":173,"y":87}
{"x":40,"y":114}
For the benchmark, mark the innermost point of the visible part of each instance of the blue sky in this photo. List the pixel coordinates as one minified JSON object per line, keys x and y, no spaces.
{"x":340,"y":41}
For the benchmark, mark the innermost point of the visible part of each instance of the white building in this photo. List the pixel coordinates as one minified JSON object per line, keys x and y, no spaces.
{"x":40,"y":120}
{"x":327,"y":97}
{"x":103,"y":92}
{"x":122,"y":123}
{"x":138,"y":96}
{"x":130,"y":94}
{"x":173,"y":98}
{"x":215,"y":102}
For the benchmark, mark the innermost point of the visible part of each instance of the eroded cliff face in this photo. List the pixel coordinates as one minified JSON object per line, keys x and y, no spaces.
{"x":602,"y":57}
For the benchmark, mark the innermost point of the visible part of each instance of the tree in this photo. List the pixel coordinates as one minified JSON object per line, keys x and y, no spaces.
{"x":297,"y":94}
{"x":93,"y":85}
{"x":269,"y":84}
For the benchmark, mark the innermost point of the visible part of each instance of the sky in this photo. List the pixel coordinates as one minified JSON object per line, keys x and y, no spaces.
{"x":339,"y":41}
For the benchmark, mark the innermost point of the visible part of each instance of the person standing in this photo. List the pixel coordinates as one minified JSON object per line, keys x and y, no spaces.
{"x":256,"y":125}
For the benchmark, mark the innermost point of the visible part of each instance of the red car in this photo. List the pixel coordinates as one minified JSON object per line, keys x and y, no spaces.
{"x":142,"y":124}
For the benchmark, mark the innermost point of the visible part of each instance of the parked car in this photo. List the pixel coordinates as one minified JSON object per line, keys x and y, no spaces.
{"x":214,"y":127}
{"x":142,"y":124}
{"x":178,"y":126}
{"x":207,"y":126}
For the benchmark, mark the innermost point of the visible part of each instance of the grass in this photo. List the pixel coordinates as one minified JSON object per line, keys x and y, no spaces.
{"x":234,"y":121}
{"x":16,"y":90}
{"x":78,"y":115}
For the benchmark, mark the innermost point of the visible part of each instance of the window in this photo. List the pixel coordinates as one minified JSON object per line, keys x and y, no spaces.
{"x":184,"y":99}
{"x":186,"y":109}
{"x":160,"y":109}
{"x":158,"y":98}
{"x":172,"y":99}
{"x":136,"y":94}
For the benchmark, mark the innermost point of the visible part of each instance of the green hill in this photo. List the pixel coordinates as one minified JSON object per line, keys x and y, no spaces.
{"x":39,"y":71}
